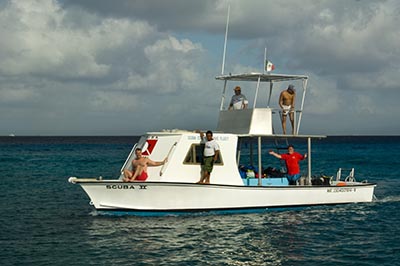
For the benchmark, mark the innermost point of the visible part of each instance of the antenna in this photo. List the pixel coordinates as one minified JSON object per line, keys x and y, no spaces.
{"x":265,"y":59}
{"x":226,"y":38}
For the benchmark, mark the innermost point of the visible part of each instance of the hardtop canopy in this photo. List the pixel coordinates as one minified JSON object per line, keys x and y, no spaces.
{"x":262,"y":77}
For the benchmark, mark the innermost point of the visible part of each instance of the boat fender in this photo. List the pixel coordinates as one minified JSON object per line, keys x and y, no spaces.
{"x":72,"y":179}
{"x":341,"y":184}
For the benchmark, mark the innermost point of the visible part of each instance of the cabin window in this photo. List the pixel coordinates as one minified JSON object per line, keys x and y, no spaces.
{"x":195,"y":155}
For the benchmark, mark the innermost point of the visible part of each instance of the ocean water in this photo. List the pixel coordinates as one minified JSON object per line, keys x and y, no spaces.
{"x":47,"y":221}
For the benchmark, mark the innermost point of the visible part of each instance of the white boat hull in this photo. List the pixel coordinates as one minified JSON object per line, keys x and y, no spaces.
{"x":166,"y":196}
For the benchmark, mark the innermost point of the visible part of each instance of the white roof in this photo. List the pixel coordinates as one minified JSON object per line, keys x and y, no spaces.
{"x":268,"y":77}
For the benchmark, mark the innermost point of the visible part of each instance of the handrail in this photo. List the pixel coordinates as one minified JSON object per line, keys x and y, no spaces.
{"x":296,"y":114}
{"x":349,"y":178}
{"x":169,"y":153}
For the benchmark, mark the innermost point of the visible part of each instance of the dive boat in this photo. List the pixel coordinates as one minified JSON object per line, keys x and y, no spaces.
{"x":173,"y":188}
{"x":244,"y":137}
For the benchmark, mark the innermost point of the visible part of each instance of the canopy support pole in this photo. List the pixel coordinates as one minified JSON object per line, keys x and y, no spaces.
{"x":309,"y":160}
{"x":223,"y":96}
{"x":259,"y":162}
{"x":271,"y":85}
{"x":302,"y":104}
{"x":258,"y":87}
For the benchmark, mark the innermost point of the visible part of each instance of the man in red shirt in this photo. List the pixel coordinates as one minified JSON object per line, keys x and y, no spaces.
{"x":291,"y":159}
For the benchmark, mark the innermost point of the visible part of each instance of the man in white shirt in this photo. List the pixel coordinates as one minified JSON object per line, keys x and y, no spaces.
{"x":210,"y":156}
{"x":238,"y":100}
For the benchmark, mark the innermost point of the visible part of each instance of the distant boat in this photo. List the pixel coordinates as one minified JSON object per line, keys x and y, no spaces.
{"x":11,"y":135}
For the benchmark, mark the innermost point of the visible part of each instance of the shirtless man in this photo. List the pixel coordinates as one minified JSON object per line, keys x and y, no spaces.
{"x":286,"y":102}
{"x":139,"y":167}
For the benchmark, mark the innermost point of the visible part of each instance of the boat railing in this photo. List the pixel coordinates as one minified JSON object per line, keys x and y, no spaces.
{"x":262,"y":120}
{"x":296,"y":112}
{"x":349,"y":178}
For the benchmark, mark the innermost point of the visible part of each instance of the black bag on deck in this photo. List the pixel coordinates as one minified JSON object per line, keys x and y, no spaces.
{"x":273,"y":172}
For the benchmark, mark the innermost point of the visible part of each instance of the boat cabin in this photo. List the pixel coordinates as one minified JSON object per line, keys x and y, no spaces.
{"x":184,"y":150}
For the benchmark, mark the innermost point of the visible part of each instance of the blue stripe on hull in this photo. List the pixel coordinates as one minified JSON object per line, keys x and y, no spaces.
{"x":157,"y":213}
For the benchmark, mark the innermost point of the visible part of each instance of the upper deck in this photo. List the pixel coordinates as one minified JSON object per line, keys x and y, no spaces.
{"x":260,"y":119}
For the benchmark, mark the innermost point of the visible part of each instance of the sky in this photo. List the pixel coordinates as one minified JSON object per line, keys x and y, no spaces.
{"x":99,"y":67}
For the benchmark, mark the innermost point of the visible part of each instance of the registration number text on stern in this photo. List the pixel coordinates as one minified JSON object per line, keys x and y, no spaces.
{"x":341,"y":189}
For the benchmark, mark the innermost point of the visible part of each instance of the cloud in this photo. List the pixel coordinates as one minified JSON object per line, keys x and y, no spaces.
{"x":8,"y":95}
{"x":39,"y":44}
{"x":167,"y":58}
{"x":95,"y":66}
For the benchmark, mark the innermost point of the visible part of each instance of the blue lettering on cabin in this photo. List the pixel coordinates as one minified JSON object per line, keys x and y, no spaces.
{"x":218,"y":138}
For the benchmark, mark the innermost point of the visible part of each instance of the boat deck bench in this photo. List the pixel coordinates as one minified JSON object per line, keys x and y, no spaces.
{"x":270,"y":181}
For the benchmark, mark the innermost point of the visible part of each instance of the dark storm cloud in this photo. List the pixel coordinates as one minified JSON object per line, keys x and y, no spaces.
{"x":78,"y":67}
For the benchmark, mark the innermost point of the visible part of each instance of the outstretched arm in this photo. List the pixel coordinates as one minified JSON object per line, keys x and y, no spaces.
{"x":201,"y":133}
{"x":277,"y":155}
{"x":153,"y":163}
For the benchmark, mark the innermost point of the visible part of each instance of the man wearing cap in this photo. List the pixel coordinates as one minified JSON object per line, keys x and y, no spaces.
{"x":238,"y":100}
{"x":286,"y":102}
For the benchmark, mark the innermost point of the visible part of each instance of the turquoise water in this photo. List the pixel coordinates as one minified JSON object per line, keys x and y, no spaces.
{"x":47,"y":221}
